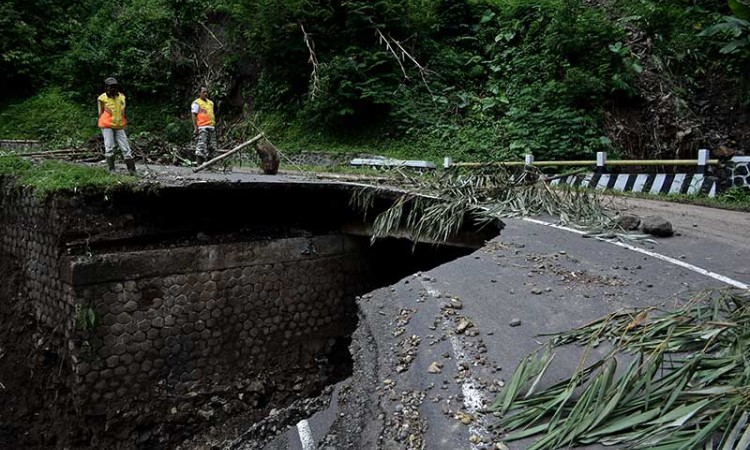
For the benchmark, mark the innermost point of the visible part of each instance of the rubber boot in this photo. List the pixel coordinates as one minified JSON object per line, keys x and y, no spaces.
{"x":200,"y":159}
{"x":130,"y":164}
{"x":110,"y":163}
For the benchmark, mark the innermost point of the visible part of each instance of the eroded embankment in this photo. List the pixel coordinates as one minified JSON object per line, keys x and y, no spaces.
{"x":139,"y":318}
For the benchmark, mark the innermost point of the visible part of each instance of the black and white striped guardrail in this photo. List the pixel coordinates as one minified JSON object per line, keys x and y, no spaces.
{"x":655,"y":183}
{"x":661,"y":183}
{"x":693,"y":181}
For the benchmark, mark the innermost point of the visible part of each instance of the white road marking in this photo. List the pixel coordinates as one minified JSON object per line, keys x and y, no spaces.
{"x":474,"y":401}
{"x":305,"y":435}
{"x":677,"y":262}
{"x":473,"y":398}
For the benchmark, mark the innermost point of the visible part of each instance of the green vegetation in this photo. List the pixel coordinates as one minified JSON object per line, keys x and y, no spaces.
{"x":437,"y":207}
{"x":686,"y":385}
{"x":53,"y":176}
{"x":479,"y":80}
{"x":473,"y":79}
{"x":50,"y":115}
{"x":85,"y":317}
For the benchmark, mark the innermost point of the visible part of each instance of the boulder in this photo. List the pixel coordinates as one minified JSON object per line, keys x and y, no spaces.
{"x":657,"y":226}
{"x":628,"y":222}
{"x":269,"y":157}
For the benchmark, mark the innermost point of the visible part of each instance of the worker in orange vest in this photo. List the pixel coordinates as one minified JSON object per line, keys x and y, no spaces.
{"x":112,"y":122}
{"x":204,"y":123}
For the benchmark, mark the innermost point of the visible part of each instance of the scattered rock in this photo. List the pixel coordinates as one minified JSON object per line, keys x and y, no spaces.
{"x":464,"y":418}
{"x":657,"y":226}
{"x":515,"y":322}
{"x":628,"y":222}
{"x":463,"y":324}
{"x":456,"y":303}
{"x":536,"y":291}
{"x":435,"y":367}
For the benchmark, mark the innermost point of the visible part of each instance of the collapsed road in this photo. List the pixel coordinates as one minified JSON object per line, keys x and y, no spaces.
{"x":433,"y":345}
{"x":476,"y":317}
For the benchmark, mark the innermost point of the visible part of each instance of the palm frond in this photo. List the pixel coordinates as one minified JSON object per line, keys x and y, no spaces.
{"x":687,"y":385}
{"x":436,"y":208}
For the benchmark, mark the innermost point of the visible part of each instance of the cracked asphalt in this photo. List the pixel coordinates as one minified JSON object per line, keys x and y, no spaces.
{"x":442,"y":340}
{"x":433,"y":349}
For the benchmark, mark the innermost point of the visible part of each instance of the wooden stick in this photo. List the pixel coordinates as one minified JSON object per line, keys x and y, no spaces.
{"x":19,"y":141}
{"x":62,"y":155}
{"x":55,"y":152}
{"x":228,"y":154}
{"x":563,"y":175}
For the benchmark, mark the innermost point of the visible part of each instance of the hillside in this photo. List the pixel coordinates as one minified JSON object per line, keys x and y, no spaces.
{"x":474,"y":79}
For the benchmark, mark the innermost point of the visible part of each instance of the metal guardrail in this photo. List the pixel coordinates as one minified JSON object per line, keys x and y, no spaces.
{"x":600,"y":162}
{"x":614,"y":162}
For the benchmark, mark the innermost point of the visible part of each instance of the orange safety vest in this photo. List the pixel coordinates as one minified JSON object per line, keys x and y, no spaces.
{"x":116,"y":118}
{"x":205,"y":116}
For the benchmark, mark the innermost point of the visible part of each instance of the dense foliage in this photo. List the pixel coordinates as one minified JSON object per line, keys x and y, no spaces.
{"x":476,"y":79}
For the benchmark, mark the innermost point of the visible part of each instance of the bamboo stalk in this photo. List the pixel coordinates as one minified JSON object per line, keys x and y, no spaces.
{"x":566,"y":174}
{"x":18,"y":141}
{"x":58,"y":155}
{"x":54,"y":152}
{"x":228,"y":154}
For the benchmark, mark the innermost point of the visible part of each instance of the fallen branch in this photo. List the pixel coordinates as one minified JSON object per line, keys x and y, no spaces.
{"x":566,"y":174}
{"x":54,"y":152}
{"x":228,"y":154}
{"x":389,"y":45}
{"x":313,"y":59}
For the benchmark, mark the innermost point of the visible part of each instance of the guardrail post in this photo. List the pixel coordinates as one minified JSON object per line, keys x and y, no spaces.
{"x":601,"y":162}
{"x":529,"y":159}
{"x":447,"y":162}
{"x":702,"y":161}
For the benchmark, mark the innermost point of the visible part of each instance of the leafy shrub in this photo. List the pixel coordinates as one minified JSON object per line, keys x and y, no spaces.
{"x":13,"y":165}
{"x":51,"y":115}
{"x":144,"y":43}
{"x":498,"y":77}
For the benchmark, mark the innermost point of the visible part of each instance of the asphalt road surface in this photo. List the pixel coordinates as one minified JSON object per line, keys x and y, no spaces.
{"x":550,"y":280}
{"x":433,"y":349}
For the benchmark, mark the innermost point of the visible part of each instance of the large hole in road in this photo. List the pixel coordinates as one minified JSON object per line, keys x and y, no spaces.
{"x":138,"y":319}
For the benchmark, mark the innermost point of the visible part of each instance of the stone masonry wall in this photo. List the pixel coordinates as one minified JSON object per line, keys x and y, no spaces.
{"x":203,"y":315}
{"x":171,"y":319}
{"x":741,"y":172}
{"x":29,"y":233}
